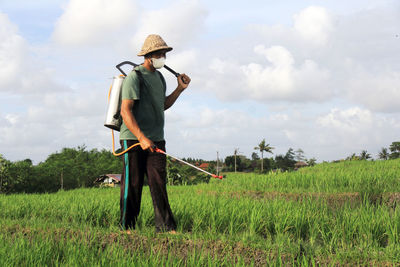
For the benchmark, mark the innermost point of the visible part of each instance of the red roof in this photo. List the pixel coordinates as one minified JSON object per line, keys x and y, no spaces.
{"x":203,"y":166}
{"x":116,"y":177}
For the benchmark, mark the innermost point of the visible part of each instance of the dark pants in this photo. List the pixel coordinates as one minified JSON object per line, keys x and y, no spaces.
{"x":137,"y":163}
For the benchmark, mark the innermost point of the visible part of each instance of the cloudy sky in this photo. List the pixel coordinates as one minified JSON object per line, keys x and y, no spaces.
{"x":323,"y":76}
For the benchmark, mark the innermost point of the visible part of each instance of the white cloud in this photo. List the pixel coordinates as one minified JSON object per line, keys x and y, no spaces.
{"x":225,"y":79}
{"x":351,"y":121}
{"x":323,"y":57}
{"x":54,"y":121}
{"x":94,"y":22}
{"x":313,"y":29}
{"x":314,"y":24}
{"x":13,"y":50}
{"x":275,"y":80}
{"x":177,"y":24}
{"x":183,"y":59}
{"x":355,"y":129}
{"x":280,"y":79}
{"x":277,"y":55}
{"x":20,"y":73}
{"x":378,"y":92}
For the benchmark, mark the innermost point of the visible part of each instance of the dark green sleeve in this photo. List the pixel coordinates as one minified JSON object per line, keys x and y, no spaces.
{"x":131,"y":87}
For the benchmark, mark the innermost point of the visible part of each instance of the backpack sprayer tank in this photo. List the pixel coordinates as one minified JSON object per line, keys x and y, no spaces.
{"x":113,"y":118}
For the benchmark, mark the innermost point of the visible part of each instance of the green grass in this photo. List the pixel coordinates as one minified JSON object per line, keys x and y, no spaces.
{"x":332,"y":214}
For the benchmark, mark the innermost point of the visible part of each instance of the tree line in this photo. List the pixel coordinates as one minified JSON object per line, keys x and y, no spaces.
{"x":393,"y":152}
{"x":78,"y":167}
{"x":287,"y":161}
{"x":281,"y":162}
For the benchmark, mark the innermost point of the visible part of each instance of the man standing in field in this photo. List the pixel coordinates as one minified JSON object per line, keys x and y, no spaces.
{"x":142,"y":109}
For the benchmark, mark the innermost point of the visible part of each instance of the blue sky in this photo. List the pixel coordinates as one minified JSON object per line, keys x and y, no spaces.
{"x":323,"y":76}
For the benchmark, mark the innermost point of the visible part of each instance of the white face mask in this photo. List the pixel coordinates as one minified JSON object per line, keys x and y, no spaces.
{"x":158,"y":63}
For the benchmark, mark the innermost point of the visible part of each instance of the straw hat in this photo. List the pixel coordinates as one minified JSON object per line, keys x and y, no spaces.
{"x":153,"y":43}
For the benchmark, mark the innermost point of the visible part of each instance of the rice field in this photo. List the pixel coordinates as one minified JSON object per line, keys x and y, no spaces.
{"x":332,"y":214}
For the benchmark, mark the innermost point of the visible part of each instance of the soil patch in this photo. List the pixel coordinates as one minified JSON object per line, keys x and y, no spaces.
{"x":163,"y":244}
{"x":332,"y":199}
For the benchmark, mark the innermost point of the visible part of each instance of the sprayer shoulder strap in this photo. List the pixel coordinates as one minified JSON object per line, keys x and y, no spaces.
{"x":141,"y":80}
{"x":163,"y":81}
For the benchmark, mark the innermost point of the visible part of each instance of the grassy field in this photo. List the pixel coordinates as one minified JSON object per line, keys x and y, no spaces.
{"x":332,"y":214}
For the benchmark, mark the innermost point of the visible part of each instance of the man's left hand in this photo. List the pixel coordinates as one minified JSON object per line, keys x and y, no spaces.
{"x":183,"y":82}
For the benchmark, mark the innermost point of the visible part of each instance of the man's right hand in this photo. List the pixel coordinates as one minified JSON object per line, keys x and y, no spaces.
{"x":146,"y":143}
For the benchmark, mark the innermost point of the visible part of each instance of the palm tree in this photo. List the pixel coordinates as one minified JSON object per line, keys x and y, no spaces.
{"x":263,"y":147}
{"x":365,"y":155}
{"x":353,"y":157}
{"x":384,"y":154}
{"x":395,"y":149}
{"x":311,"y":162}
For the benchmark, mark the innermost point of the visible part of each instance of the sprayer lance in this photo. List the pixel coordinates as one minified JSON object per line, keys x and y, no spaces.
{"x":172,"y":71}
{"x":156,"y":149}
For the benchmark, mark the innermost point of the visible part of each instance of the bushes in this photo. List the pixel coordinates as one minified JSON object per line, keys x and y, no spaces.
{"x":76,"y":166}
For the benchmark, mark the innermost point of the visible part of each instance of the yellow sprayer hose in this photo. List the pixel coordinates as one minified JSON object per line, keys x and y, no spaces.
{"x":123,"y":152}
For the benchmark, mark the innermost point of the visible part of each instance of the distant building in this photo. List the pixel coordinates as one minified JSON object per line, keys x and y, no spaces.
{"x":204,"y":166}
{"x":110,"y":180}
{"x":300,"y":164}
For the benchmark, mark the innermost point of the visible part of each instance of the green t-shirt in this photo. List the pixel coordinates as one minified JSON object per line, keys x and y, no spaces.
{"x":148,"y":107}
